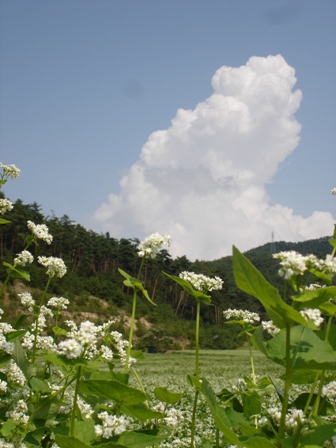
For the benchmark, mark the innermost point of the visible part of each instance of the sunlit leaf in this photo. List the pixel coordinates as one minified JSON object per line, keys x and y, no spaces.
{"x":164,"y":395}
{"x":251,"y":281}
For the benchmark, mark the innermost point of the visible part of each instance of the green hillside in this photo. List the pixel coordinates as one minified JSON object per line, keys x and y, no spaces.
{"x":94,"y":285}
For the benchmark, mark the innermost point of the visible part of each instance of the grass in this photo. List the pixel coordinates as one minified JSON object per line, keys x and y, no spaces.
{"x":221,"y":367}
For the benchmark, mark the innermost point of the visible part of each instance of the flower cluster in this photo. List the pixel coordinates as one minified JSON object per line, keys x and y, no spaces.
{"x":313,"y":315}
{"x":201,"y":282}
{"x":59,"y":303}
{"x":83,"y":341}
{"x":333,"y":191}
{"x":121,"y":345}
{"x":40,"y":231}
{"x":23,"y":258}
{"x":293,"y":263}
{"x":112,"y":425}
{"x":27,"y":300}
{"x":270,"y":327}
{"x":55,"y":266}
{"x":10,"y":171}
{"x":5,"y":206}
{"x":246,"y":316}
{"x":151,"y":245}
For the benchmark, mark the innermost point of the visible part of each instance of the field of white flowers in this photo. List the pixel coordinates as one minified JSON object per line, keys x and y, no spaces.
{"x":82,"y":385}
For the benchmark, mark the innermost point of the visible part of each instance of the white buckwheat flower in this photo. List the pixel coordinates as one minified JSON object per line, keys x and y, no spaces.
{"x":23,"y":258}
{"x":10,"y":171}
{"x":40,"y":231}
{"x":27,"y":300}
{"x":201,"y":282}
{"x":70,"y":348}
{"x":333,"y":191}
{"x":313,"y":315}
{"x":151,"y":245}
{"x":246,"y":316}
{"x":59,"y":303}
{"x":329,"y":390}
{"x":5,"y":206}
{"x":270,"y":327}
{"x":55,"y":266}
{"x":293,"y":263}
{"x":112,"y":425}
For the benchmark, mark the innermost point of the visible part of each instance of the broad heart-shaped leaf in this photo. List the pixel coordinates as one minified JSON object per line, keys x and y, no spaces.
{"x":307,"y":350}
{"x":118,"y":392}
{"x":135,"y":284}
{"x":314,"y":298}
{"x":108,"y":375}
{"x":140,"y":412}
{"x":317,"y":436}
{"x":198,"y":295}
{"x":139,"y":440}
{"x":219,"y":414}
{"x":16,"y":272}
{"x":164,"y":395}
{"x":251,"y":281}
{"x":251,"y":403}
{"x":63,"y":361}
{"x":328,"y":308}
{"x":4,"y":221}
{"x":320,"y":276}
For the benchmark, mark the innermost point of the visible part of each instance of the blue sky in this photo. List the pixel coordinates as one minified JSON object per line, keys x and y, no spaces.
{"x":85,"y":83}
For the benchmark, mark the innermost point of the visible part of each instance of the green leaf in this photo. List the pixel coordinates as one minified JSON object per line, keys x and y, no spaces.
{"x":39,"y":385}
{"x":4,"y":359}
{"x":118,"y":392}
{"x":198,"y":295}
{"x":140,"y":412}
{"x":70,"y":442}
{"x":332,"y":241}
{"x":318,"y":435}
{"x":302,"y":376}
{"x":257,"y":442}
{"x":328,"y":308}
{"x":164,"y":395}
{"x":135,"y":284}
{"x":20,"y":321}
{"x":20,"y":358}
{"x":251,"y":281}
{"x":16,"y":272}
{"x":314,"y":298}
{"x":325,"y":278}
{"x":251,"y":403}
{"x":59,"y":331}
{"x":4,"y":221}
{"x":108,"y":375}
{"x":138,"y":354}
{"x":307,"y":351}
{"x":139,"y":440}
{"x":18,"y":334}
{"x":8,"y":427}
{"x":218,"y":413}
{"x":63,"y":361}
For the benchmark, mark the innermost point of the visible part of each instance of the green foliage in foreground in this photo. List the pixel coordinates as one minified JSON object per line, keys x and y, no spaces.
{"x":77,"y":386}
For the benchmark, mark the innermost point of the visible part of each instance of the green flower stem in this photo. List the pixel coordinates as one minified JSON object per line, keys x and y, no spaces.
{"x":251,"y":360}
{"x":193,"y":421}
{"x":130,"y":339}
{"x":312,"y":390}
{"x":140,"y":384}
{"x":73,"y":414}
{"x":37,"y":318}
{"x":197,"y":339}
{"x":288,"y":380}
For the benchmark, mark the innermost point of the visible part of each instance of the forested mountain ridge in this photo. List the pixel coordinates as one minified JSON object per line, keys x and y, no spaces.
{"x":93,"y":283}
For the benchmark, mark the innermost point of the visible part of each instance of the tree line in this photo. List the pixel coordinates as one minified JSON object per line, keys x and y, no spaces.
{"x":93,"y":260}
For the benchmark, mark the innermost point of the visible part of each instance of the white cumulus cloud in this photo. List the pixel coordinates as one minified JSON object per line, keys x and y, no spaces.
{"x":203,"y":179}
